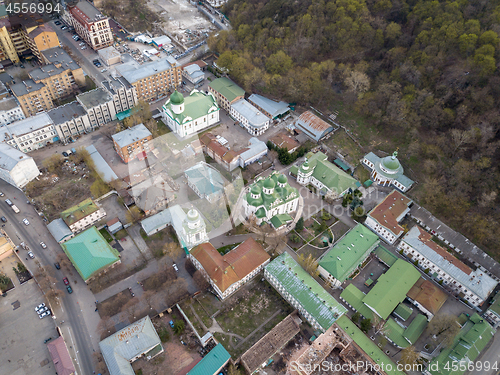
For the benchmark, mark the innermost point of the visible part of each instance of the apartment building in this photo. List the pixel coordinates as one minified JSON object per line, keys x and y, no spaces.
{"x":99,"y":106}
{"x":70,"y":120}
{"x":226,"y":92}
{"x":32,"y":96}
{"x":10,"y":111}
{"x":90,"y":24}
{"x":133,"y":142}
{"x":152,"y":80}
{"x":83,"y":215}
{"x":124,"y":94}
{"x":473,"y":286}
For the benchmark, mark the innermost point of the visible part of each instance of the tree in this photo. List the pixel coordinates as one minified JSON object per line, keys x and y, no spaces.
{"x":200,"y":281}
{"x":99,"y":188}
{"x":310,"y":264}
{"x":179,"y":327}
{"x":152,"y":126}
{"x":409,"y":356}
{"x":133,"y":214}
{"x":299,"y":226}
{"x":105,"y":325}
{"x":366,"y":325}
{"x":149,"y":297}
{"x":233,"y":370}
{"x":53,"y":163}
{"x":172,"y":249}
{"x":445,"y":327}
{"x":4,"y":281}
{"x":355,"y":317}
{"x":357,"y":82}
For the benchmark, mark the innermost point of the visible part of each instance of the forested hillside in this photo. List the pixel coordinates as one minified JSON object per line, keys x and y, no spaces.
{"x":423,"y":73}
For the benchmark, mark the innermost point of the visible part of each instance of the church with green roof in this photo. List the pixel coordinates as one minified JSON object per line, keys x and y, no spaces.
{"x":191,"y":114}
{"x":387,"y":171}
{"x":269,"y":197}
{"x":324,"y":176}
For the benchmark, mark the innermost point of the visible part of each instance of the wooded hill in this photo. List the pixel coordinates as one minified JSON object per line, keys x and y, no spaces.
{"x":422,"y":73}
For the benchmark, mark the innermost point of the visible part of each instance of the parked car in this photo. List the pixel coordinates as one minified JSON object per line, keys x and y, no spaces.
{"x":82,"y":44}
{"x":64,"y":28}
{"x":131,"y":293}
{"x":31,"y":255}
{"x":65,"y":154}
{"x":84,"y":47}
{"x":104,"y":70}
{"x":3,"y":218}
{"x":42,"y":244}
{"x":171,"y":323}
{"x":42,"y":310}
{"x":57,"y":23}
{"x":1,"y":194}
{"x":39,"y":307}
{"x":46,"y":313}
{"x":57,"y":265}
{"x":26,"y":222}
{"x":9,"y":202}
{"x":66,"y":281}
{"x":176,"y":268}
{"x":69,"y":289}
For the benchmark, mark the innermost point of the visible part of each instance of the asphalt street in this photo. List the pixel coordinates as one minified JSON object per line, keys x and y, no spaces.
{"x":74,"y":328}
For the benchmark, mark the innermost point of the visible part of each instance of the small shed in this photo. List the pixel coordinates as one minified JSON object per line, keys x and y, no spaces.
{"x":114,"y":225}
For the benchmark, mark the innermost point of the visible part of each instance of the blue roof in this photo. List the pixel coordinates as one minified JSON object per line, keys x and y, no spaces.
{"x":275,"y":109}
{"x":256,"y":148}
{"x":212,"y":362}
{"x":59,"y":230}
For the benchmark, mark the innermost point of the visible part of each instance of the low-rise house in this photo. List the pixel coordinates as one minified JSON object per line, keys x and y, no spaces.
{"x":110,"y":55}
{"x":227,"y":273}
{"x":492,"y":314}
{"x":384,"y":219}
{"x":206,"y":181}
{"x":153,"y":194}
{"x":59,"y":230}
{"x":226,"y":92}
{"x":114,"y":225}
{"x":124,"y":347}
{"x":10,"y":111}
{"x":253,"y":120}
{"x":403,"y":336}
{"x":313,"y":126}
{"x":229,"y":159}
{"x":349,"y":253}
{"x":212,"y":363}
{"x":427,"y":297}
{"x":283,"y":140}
{"x":132,"y":143}
{"x":304,"y":293}
{"x":90,"y":254}
{"x":16,"y":168}
{"x":387,"y":171}
{"x":83,"y":215}
{"x":269,"y":107}
{"x":473,"y":286}
{"x":193,"y":73}
{"x":253,"y":152}
{"x":60,"y":356}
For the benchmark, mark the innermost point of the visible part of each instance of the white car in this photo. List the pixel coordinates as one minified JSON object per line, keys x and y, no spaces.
{"x":84,"y":47}
{"x":104,"y":70}
{"x":176,"y":268}
{"x":26,"y":222}
{"x":42,"y":244}
{"x":46,"y":313}
{"x":39,"y":307}
{"x":31,"y":255}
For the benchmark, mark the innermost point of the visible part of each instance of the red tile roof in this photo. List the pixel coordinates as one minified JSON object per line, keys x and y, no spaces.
{"x":60,"y":356}
{"x":217,"y":148}
{"x":284,"y":140}
{"x":314,"y":121}
{"x":225,"y":270}
{"x":387,"y":211}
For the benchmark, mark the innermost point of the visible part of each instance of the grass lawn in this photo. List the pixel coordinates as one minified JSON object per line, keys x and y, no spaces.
{"x":362,"y":174}
{"x":162,"y":128}
{"x":342,"y":142}
{"x":210,"y":304}
{"x":187,"y":310}
{"x":122,"y":233}
{"x":106,"y":235}
{"x":338,"y":230}
{"x":202,"y":314}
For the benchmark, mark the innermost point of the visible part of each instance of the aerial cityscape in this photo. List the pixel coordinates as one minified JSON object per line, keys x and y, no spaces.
{"x":238,"y":187}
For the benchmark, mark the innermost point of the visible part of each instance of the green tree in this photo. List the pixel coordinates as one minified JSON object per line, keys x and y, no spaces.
{"x":279,"y":63}
{"x":179,"y":327}
{"x":309,"y":263}
{"x":355,"y":317}
{"x":299,"y":226}
{"x":489,"y":37}
{"x":365,"y":325}
{"x":467,"y":43}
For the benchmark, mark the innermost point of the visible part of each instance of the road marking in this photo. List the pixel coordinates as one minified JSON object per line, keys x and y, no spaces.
{"x":74,"y":346}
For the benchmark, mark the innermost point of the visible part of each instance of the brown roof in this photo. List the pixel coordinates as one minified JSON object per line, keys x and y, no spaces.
{"x":428,"y":295}
{"x":207,"y":138}
{"x":217,"y":148}
{"x":230,"y":156}
{"x":200,"y":63}
{"x":60,"y":356}
{"x":112,"y":221}
{"x":426,"y":239}
{"x":225,"y":270}
{"x":314,"y":121}
{"x":284,"y":140}
{"x":387,"y":211}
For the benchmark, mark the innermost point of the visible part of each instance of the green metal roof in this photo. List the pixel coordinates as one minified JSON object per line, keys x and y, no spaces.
{"x":294,"y":170}
{"x":279,"y":194}
{"x":305,"y":290}
{"x":281,"y":219}
{"x":196,"y":105}
{"x":471,"y":340}
{"x":206,"y":178}
{"x":385,"y":255}
{"x":495,"y":306}
{"x":348,"y":253}
{"x":391,"y":288}
{"x":227,"y":88}
{"x":90,"y":253}
{"x":415,"y":329}
{"x":394,"y":332}
{"x":212,"y":362}
{"x":368,"y":346}
{"x":403,"y":311}
{"x":78,"y":212}
{"x":176,"y":98}
{"x":354,"y":297}
{"x":341,"y":164}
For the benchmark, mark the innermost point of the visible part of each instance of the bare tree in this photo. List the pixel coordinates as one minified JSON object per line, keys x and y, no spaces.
{"x":149,"y":297}
{"x":358,"y":82}
{"x":460,"y":138}
{"x":445,"y":327}
{"x":310,"y":264}
{"x":172,"y":249}
{"x":105,"y":325}
{"x":133,"y":214}
{"x":131,"y":308}
{"x":200,"y":281}
{"x":409,"y":356}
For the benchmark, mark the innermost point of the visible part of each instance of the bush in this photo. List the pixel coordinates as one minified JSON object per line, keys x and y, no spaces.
{"x":179,"y":327}
{"x":163,"y":334}
{"x":365,"y":325}
{"x":300,"y":224}
{"x":355,"y":317}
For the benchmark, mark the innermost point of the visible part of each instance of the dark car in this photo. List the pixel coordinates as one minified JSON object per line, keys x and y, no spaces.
{"x":65,"y":154}
{"x":66,"y":281}
{"x":3,"y":219}
{"x":69,"y":289}
{"x":57,"y":265}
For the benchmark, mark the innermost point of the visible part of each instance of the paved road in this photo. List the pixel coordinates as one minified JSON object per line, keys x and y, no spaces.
{"x":75,"y":328}
{"x":490,"y":357}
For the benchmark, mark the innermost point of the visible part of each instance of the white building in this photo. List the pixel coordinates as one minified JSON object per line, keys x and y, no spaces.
{"x":83,"y":215}
{"x":473,"y":286}
{"x":99,"y":105}
{"x":16,"y":168}
{"x":384,"y":219}
{"x":250,"y":117}
{"x":253,"y":152}
{"x":10,"y":111}
{"x":124,"y":94}
{"x":30,"y":134}
{"x":387,"y":171}
{"x":193,"y":73}
{"x":70,"y":120}
{"x":187,"y":116}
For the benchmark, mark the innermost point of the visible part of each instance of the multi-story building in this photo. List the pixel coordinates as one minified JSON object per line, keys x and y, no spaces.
{"x":133,"y":142}
{"x":227,"y":273}
{"x":83,"y":215}
{"x":99,"y":105}
{"x":473,"y":286}
{"x":384,"y":219}
{"x":10,"y":111}
{"x":33,"y":97}
{"x":387,"y":171}
{"x":254,"y":121}
{"x":152,"y":80}
{"x":16,"y":168}
{"x":124,"y":94}
{"x":41,"y":38}
{"x":186,"y":116}
{"x":70,"y":120}
{"x":226,"y":92}
{"x":90,"y":24}
{"x":30,"y":134}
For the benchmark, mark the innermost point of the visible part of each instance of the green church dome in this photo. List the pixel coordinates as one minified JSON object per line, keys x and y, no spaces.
{"x":255,"y":190}
{"x":269,"y":183}
{"x":282,"y":179}
{"x":391,"y":162}
{"x":176,"y":98}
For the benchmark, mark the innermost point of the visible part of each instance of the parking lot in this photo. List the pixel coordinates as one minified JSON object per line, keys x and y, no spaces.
{"x":22,"y":333}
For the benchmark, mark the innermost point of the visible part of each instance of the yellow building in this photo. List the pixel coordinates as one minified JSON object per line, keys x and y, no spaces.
{"x":40,"y":38}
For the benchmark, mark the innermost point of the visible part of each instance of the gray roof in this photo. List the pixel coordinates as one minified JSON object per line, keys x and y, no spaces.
{"x":89,"y":10}
{"x":23,"y":88}
{"x":157,"y":221}
{"x":28,"y":125}
{"x":477,"y":281}
{"x":59,"y":230}
{"x":132,"y":73}
{"x":133,"y":134}
{"x":3,"y":88}
{"x":206,"y":178}
{"x":115,"y":84}
{"x":91,"y":99}
{"x":313,"y":126}
{"x":256,"y":118}
{"x":101,"y":165}
{"x":128,"y":343}
{"x":270,"y":106}
{"x":58,"y":56}
{"x":10,"y":156}
{"x":6,"y":78}
{"x":108,"y":53}
{"x":60,"y":115}
{"x":46,"y":71}
{"x":256,"y":147}
{"x":6,"y":104}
